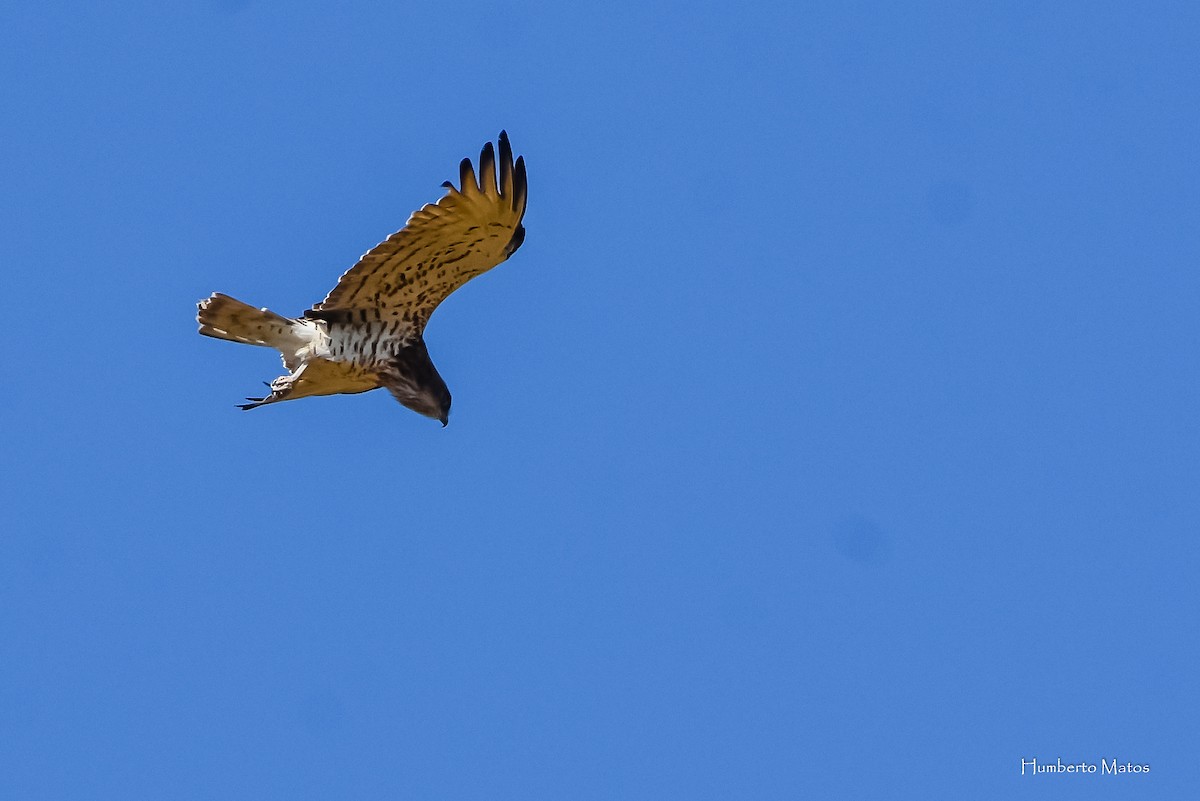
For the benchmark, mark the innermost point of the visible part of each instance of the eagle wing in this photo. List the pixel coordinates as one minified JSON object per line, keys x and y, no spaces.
{"x":442,"y":246}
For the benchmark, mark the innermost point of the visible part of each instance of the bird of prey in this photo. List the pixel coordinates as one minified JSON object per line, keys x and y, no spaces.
{"x":369,"y":332}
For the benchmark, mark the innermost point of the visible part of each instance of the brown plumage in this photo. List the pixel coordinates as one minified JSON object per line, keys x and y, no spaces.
{"x":369,"y":331}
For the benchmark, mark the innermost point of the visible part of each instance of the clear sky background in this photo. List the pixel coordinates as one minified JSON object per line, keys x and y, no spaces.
{"x":833,"y":434}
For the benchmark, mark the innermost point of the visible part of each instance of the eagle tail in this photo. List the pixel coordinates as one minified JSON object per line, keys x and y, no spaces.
{"x":222,"y":317}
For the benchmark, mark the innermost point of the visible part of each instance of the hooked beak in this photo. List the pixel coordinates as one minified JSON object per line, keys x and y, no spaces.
{"x":445,"y":421}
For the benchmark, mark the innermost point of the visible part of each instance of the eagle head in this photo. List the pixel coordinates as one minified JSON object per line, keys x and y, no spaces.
{"x":430,"y":401}
{"x":414,"y":381}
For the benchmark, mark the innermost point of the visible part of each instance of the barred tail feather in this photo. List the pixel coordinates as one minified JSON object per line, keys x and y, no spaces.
{"x":222,"y":317}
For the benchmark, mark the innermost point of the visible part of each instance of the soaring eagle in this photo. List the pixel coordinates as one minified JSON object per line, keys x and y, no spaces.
{"x":369,"y":332}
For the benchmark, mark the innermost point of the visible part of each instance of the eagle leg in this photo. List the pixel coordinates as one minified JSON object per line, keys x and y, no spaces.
{"x":280,"y":388}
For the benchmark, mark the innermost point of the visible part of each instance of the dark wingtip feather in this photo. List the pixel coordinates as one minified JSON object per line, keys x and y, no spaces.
{"x":506,"y":165}
{"x":487,"y":168}
{"x":466,"y":176}
{"x":521,"y":186}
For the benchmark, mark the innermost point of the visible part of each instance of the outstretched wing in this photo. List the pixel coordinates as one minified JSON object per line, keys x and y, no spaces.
{"x":441,"y":247}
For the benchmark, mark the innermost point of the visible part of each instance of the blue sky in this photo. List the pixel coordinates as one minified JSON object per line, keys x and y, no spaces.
{"x":831,"y":436}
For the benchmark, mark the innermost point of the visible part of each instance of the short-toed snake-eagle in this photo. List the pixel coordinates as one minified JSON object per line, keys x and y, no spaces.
{"x":369,"y":332}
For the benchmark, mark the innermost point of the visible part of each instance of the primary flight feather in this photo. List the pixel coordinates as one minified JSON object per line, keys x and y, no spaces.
{"x":369,"y":331}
